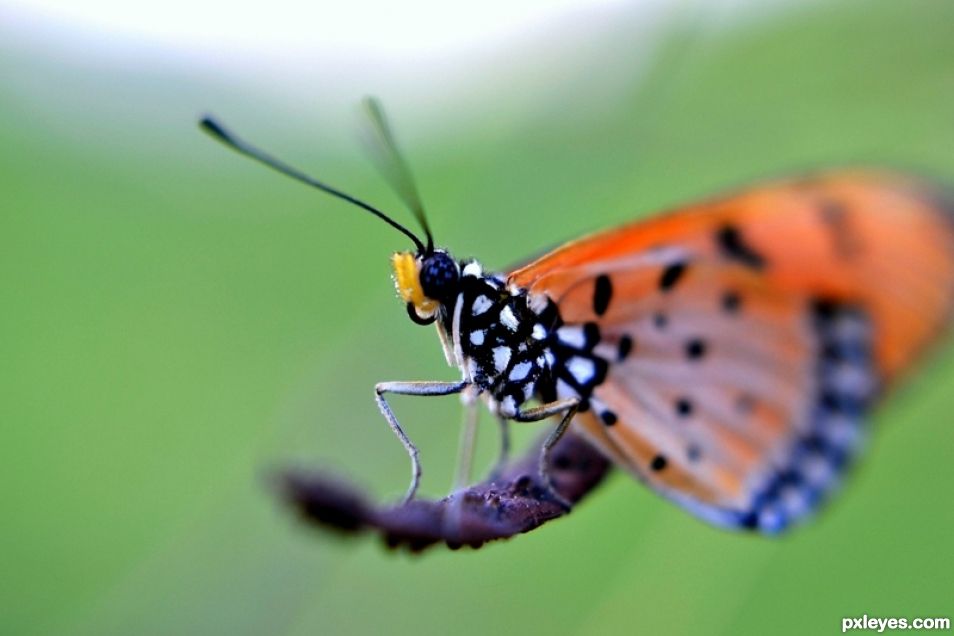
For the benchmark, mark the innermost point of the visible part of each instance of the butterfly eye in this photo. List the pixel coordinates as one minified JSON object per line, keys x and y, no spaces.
{"x":439,"y":277}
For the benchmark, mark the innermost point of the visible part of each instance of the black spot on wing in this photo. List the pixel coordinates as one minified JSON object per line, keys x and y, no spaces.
{"x":745,"y":404}
{"x":671,"y":276}
{"x":834,"y":216}
{"x":733,"y":246}
{"x":731,"y":302}
{"x":684,"y":407}
{"x":823,"y":310}
{"x":696,"y":349}
{"x":602,"y":294}
{"x":549,"y":316}
{"x":591,"y":335}
{"x":693,"y":453}
{"x":624,"y":348}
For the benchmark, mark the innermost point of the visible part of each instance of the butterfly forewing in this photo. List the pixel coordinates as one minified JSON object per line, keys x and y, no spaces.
{"x":745,"y":338}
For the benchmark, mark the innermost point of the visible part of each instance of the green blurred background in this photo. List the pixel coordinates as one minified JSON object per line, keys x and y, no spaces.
{"x":176,"y":321}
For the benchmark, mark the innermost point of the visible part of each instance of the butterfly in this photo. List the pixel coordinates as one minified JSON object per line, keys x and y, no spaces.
{"x":725,"y":354}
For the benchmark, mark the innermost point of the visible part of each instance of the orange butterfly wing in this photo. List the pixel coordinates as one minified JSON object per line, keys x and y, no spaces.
{"x":745,"y":337}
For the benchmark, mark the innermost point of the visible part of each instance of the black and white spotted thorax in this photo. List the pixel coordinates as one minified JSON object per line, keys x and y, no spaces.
{"x":512,"y":346}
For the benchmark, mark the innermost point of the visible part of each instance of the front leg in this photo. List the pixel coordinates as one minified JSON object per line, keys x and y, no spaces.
{"x":411,"y":388}
{"x":503,"y":457}
{"x":568,"y":408}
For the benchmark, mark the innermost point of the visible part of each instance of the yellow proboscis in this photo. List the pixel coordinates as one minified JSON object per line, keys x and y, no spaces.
{"x":407,"y":279}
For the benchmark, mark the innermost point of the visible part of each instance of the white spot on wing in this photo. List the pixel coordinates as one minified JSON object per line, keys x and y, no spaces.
{"x":794,"y":501}
{"x":501,"y":358}
{"x":481,"y":305}
{"x":582,"y":369}
{"x":842,"y":431}
{"x":851,"y":329}
{"x":771,"y":519}
{"x":520,"y":371}
{"x":565,"y":391}
{"x":572,"y":336}
{"x":508,"y":407}
{"x":473,"y":268}
{"x":817,"y":470}
{"x":852,"y":380}
{"x":539,"y":333}
{"x":477,"y":337}
{"x":508,"y":319}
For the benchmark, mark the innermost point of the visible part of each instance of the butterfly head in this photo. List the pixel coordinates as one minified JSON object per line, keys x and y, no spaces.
{"x":425,"y":282}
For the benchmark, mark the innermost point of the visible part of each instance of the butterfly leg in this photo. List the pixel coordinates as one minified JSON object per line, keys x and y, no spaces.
{"x":468,"y":442}
{"x":568,"y":409}
{"x":504,"y":456}
{"x":411,"y":388}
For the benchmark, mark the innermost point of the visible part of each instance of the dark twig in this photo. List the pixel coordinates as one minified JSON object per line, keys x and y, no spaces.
{"x":512,"y":503}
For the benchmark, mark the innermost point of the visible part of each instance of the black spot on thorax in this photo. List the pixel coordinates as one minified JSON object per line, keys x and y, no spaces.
{"x":523,"y":347}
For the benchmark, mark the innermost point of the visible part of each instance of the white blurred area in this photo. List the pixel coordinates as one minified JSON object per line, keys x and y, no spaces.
{"x":411,"y":27}
{"x":406,"y":46}
{"x":441,"y":60}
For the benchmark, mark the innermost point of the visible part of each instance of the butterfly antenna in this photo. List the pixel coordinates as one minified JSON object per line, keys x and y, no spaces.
{"x":210,"y":125}
{"x":393,"y":167}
